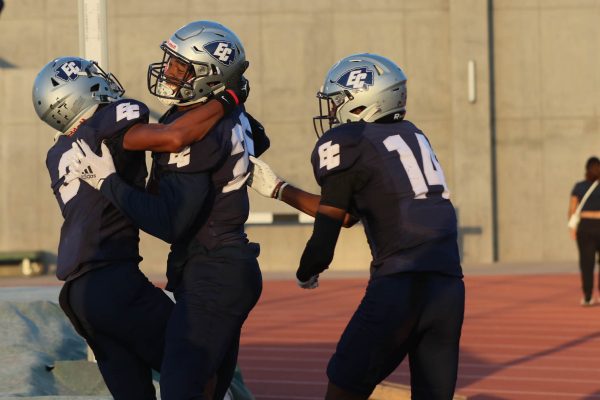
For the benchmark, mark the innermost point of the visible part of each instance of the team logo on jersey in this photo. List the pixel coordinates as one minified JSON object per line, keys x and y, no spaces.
{"x":222,"y":51}
{"x":357,"y":78}
{"x":69,"y":71}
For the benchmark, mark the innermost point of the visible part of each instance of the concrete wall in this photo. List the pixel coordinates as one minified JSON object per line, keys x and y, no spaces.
{"x":548,"y":103}
{"x":546,"y":95}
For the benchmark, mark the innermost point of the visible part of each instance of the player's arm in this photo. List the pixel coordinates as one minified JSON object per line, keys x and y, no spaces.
{"x":268,"y":184}
{"x":171,"y":138}
{"x":336,"y":194}
{"x":168,"y":216}
{"x":189,"y":128}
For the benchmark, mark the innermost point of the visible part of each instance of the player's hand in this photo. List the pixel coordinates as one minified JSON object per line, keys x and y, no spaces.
{"x":241,"y":89}
{"x":264,"y":180}
{"x":233,"y":94}
{"x":312,"y":283}
{"x":89,"y":167}
{"x":573,"y":233}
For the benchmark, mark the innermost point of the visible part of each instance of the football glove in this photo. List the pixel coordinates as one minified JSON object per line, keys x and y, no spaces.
{"x":264,"y":180}
{"x":234,"y":95}
{"x":312,"y":283}
{"x":89,"y":167}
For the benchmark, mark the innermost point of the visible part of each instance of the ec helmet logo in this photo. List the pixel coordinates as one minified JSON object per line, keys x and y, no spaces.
{"x":222,"y":51}
{"x":69,"y":71}
{"x":357,"y":78}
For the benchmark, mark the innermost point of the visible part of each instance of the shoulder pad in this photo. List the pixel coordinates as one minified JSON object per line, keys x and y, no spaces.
{"x":337,"y":150}
{"x":113,"y":120}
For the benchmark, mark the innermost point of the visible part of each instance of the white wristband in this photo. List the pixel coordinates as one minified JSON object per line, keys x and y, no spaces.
{"x":280,"y":192}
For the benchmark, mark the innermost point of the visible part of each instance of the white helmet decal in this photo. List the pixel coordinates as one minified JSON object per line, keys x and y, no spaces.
{"x":222,"y":51}
{"x":69,"y":71}
{"x":357,"y":78}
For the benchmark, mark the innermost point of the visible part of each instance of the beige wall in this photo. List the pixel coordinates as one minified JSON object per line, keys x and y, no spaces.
{"x":548,"y":103}
{"x":547,"y":68}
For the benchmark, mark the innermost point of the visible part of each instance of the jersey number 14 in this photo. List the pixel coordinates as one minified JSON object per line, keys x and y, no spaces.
{"x":432,"y":170}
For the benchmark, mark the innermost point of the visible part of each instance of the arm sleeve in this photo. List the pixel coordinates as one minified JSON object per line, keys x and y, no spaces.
{"x":168,"y":216}
{"x":337,"y":189}
{"x":319,"y":250}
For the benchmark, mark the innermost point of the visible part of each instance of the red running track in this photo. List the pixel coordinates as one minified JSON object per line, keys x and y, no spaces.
{"x":525,"y":337}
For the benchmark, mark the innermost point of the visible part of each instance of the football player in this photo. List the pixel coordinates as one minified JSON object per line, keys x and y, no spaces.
{"x":108,"y":299}
{"x":200,"y":193}
{"x":373,"y":164}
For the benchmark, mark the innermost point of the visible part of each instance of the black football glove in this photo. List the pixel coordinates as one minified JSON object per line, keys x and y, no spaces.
{"x":234,"y":95}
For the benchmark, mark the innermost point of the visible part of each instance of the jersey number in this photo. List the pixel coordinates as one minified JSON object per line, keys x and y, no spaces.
{"x":68,"y":191}
{"x":182,"y":158}
{"x":241,"y":143}
{"x":432,"y":168}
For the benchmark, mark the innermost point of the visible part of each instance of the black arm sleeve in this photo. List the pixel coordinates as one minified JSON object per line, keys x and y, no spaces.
{"x":168,"y":216}
{"x":337,"y":189}
{"x":319,"y":250}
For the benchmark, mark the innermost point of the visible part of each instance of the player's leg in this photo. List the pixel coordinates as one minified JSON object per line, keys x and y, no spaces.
{"x":144,"y":320}
{"x":127,"y":376}
{"x":214,"y":298}
{"x":586,"y":244}
{"x":89,"y":300}
{"x":227,"y":368}
{"x":377,"y":337}
{"x":434,"y":358}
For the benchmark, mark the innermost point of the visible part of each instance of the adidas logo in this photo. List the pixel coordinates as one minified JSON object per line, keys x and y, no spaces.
{"x":88,"y":173}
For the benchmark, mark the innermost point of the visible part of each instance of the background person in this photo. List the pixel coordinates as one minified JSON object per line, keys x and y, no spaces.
{"x":587,"y":233}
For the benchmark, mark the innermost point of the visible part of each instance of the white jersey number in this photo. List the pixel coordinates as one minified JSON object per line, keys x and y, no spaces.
{"x":180,"y":159}
{"x":432,"y":168}
{"x":241,"y":143}
{"x":68,"y":191}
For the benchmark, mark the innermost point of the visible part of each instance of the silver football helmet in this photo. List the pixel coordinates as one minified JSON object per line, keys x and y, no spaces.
{"x":200,"y":58}
{"x":67,"y":88}
{"x":359,"y":87}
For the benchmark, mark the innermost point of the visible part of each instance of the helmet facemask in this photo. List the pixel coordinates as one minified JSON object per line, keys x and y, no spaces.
{"x":330,"y":103}
{"x":173,"y":79}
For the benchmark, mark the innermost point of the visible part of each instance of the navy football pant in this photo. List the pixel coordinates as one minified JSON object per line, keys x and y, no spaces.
{"x":123,"y":317}
{"x":419,"y":314}
{"x":215,"y":294}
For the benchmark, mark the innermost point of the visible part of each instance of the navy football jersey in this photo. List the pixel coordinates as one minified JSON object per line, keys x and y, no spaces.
{"x":94,"y":232}
{"x":224,"y":154}
{"x":402,"y":199}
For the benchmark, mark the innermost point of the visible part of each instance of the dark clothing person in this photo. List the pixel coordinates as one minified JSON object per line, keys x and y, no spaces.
{"x":200,"y":204}
{"x":388,"y":176}
{"x":587,"y":233}
{"x":110,"y":302}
